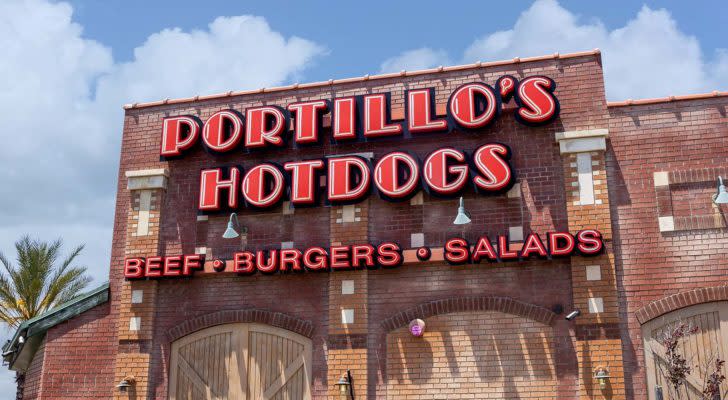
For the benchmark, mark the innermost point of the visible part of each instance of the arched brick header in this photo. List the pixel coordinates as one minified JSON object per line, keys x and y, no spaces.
{"x":276,"y":319}
{"x":681,"y":300}
{"x":463,"y":304}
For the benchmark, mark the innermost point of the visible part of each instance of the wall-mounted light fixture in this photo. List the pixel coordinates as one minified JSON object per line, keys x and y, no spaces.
{"x":126,"y":383}
{"x":572,"y":315}
{"x":722,"y":196}
{"x":346,"y":390}
{"x":233,"y":227}
{"x":463,"y":217}
{"x":417,"y":327}
{"x":602,"y":376}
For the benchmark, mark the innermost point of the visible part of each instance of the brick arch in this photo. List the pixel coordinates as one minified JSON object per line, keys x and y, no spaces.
{"x":680,"y":300}
{"x":462,"y":304}
{"x":277,"y":319}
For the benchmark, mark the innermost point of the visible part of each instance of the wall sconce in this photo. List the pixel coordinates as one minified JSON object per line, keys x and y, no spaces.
{"x":462,"y":218}
{"x":572,"y":315}
{"x":722,"y":196}
{"x":602,"y":376}
{"x":126,"y":383}
{"x":417,"y":327}
{"x":233,"y":227}
{"x":346,"y":390}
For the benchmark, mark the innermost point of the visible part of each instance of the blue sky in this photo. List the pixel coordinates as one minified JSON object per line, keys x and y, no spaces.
{"x":358,"y":39}
{"x":69,"y":66}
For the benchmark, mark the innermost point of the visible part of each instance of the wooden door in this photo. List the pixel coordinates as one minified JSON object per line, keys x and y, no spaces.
{"x":700,"y":348}
{"x":241,"y":362}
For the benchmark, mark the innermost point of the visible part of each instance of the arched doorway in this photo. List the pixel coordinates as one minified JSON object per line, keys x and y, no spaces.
{"x":474,"y":354}
{"x":241,"y":361}
{"x":699,"y":348}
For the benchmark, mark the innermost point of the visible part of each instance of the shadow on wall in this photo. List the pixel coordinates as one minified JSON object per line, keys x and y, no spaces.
{"x":473,"y":352}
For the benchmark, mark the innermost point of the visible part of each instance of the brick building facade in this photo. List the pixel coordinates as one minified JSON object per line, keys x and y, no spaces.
{"x":641,"y":172}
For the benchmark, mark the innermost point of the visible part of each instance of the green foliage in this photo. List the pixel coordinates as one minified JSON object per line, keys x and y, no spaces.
{"x":38,"y":282}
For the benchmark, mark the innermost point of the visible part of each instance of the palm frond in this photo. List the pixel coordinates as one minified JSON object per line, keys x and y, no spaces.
{"x":37,"y":282}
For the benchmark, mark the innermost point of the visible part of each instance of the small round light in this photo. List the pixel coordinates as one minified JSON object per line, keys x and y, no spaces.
{"x":417,"y":327}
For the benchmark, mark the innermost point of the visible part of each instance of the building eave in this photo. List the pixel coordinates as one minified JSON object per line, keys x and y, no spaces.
{"x":18,"y":355}
{"x":333,"y":82}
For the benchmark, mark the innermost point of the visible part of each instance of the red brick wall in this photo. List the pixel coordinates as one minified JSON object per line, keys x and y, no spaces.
{"x":536,"y":161}
{"x":31,"y":385}
{"x":77,"y":357}
{"x":87,"y":342}
{"x":685,"y":138}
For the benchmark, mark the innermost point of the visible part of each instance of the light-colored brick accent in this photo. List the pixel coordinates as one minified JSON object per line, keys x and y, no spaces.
{"x":137,"y":366}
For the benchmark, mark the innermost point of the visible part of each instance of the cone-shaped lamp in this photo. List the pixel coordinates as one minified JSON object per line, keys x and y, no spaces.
{"x":232,"y":227}
{"x":462,"y":218}
{"x":722,"y":196}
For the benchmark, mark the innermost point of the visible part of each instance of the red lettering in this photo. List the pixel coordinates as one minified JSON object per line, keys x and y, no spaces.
{"x":179,"y":134}
{"x":271,"y":265}
{"x":504,"y":253}
{"x":390,"y":255}
{"x":457,"y":251}
{"x":349,"y":178}
{"x":172,"y":265}
{"x":467,"y":101}
{"x":153,"y":267}
{"x":340,"y":257}
{"x":223,"y":131}
{"x":134,"y":268}
{"x":396,"y":175}
{"x":561,"y":243}
{"x":495,"y":172}
{"x":590,"y":242}
{"x":263,"y":185}
{"x":443,"y":178}
{"x":191,"y":263}
{"x":211,"y":183}
{"x":243,"y":263}
{"x":315,"y":259}
{"x":264,"y":126}
{"x":484,"y":249}
{"x":343,"y":125}
{"x":533,"y":244}
{"x":308,"y":120}
{"x":304,"y":185}
{"x":421,"y":111}
{"x":376,"y":117}
{"x":291,"y":260}
{"x":362,"y":256}
{"x":537,"y":104}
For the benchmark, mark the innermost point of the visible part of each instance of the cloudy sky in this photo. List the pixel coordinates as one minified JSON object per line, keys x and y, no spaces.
{"x":68,"y":67}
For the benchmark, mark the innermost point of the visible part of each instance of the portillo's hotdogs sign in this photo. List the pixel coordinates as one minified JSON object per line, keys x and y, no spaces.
{"x":396,"y":176}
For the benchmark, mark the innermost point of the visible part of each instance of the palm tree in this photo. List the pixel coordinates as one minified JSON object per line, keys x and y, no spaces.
{"x":38,"y":283}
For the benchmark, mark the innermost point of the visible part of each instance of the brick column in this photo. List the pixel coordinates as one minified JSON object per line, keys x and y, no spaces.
{"x":594,"y":286}
{"x":348,"y":313}
{"x":138,"y":298}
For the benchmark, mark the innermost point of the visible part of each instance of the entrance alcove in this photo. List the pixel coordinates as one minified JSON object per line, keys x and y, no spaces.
{"x":471,"y":353}
{"x":241,"y":361}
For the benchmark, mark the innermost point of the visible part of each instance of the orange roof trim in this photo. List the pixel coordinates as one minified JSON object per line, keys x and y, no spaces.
{"x":668,"y":99}
{"x":331,"y":82}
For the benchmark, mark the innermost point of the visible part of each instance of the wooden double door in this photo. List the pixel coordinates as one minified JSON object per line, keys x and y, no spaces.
{"x":242,"y":361}
{"x":700,"y":348}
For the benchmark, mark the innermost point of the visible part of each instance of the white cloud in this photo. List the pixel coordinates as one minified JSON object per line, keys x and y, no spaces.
{"x":648,"y":57}
{"x":59,"y":87}
{"x":421,"y":58}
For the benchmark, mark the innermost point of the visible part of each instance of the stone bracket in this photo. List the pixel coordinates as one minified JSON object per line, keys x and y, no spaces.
{"x":582,"y":141}
{"x":147,"y":179}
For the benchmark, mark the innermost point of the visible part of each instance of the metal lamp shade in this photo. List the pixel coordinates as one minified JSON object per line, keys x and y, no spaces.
{"x":462,"y":218}
{"x":231,"y":231}
{"x":722,"y":196}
